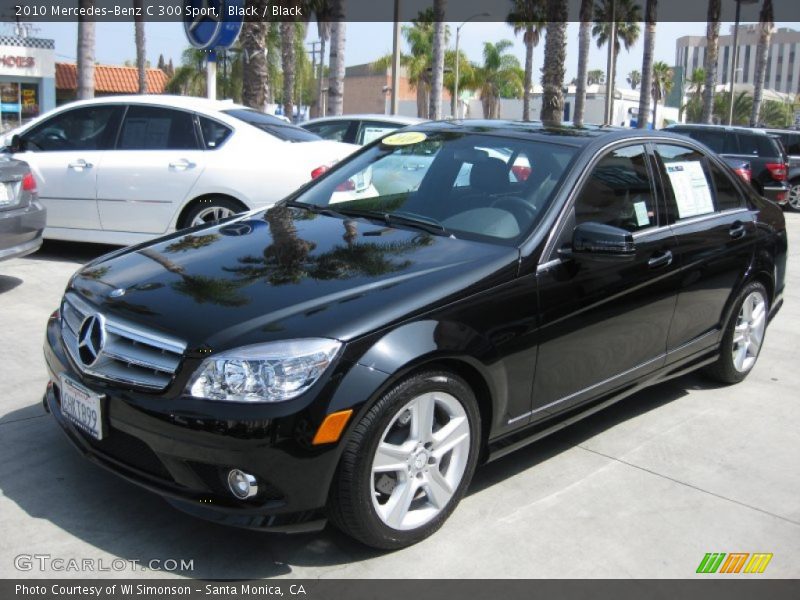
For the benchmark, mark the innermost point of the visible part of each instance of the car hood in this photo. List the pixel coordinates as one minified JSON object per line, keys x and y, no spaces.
{"x":286,"y":273}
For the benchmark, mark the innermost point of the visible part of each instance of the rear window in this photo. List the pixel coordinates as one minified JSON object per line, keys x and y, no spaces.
{"x":273,"y":125}
{"x":758,"y":145}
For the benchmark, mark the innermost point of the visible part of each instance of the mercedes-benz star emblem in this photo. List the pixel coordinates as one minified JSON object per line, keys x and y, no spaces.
{"x":117,"y":293}
{"x":91,"y":339}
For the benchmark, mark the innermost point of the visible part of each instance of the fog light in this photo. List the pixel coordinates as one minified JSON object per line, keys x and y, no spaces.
{"x":242,"y":485}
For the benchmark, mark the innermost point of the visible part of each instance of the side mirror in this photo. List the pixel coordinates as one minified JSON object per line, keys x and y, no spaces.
{"x":598,"y":242}
{"x":16,"y":144}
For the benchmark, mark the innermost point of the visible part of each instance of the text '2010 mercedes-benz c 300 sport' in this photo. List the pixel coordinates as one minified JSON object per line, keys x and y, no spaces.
{"x":446,"y":295}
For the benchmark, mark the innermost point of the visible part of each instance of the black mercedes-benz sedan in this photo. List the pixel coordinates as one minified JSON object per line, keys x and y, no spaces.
{"x":448,"y":294}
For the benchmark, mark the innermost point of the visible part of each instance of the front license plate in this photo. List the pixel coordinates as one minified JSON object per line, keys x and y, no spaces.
{"x":82,"y":407}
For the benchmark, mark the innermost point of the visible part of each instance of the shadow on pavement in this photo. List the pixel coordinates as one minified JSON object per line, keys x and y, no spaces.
{"x":82,"y":252}
{"x":47,"y":479}
{"x":8,"y":283}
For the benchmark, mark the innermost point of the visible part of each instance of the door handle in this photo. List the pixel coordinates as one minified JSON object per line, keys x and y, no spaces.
{"x":660,"y":259}
{"x":182,"y":164}
{"x":80,"y":164}
{"x":737,"y":230}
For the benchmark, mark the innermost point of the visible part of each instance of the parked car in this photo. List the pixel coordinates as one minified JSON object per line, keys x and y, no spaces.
{"x":791,"y":143}
{"x":763,"y":151}
{"x":356,"y":360}
{"x":22,"y":216}
{"x":125,"y":169}
{"x":358,"y":129}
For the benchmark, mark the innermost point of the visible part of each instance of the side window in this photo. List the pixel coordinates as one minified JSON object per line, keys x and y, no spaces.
{"x":335,"y":130}
{"x":87,"y":128}
{"x":755,"y":145}
{"x":619,"y":191}
{"x":686,"y":181}
{"x":214,"y":133}
{"x":156,"y":128}
{"x":728,"y":195}
{"x":372,"y":130}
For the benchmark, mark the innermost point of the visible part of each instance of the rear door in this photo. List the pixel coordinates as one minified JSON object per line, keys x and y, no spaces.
{"x":715,"y":231}
{"x":149,"y":174}
{"x":605,"y":324}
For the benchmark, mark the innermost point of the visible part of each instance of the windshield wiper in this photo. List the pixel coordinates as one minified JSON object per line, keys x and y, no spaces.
{"x":317,"y":210}
{"x":427,"y":224}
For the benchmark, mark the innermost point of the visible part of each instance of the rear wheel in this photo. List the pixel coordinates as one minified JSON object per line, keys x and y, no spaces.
{"x":209,"y":210}
{"x":408,"y":462}
{"x":794,"y":195}
{"x":743,"y":337}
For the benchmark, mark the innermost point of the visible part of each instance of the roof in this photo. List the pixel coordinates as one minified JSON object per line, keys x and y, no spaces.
{"x":186,"y":102}
{"x":400,"y":119}
{"x":111,"y":79}
{"x":736,"y":128}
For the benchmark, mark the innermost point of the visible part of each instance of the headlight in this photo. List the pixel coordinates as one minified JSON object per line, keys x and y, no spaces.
{"x":271,"y":372}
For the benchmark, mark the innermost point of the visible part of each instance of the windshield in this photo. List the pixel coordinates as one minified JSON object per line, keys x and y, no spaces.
{"x":273,"y":125}
{"x":470,"y":186}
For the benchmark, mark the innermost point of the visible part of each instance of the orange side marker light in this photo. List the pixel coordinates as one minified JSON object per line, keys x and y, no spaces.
{"x":332,"y":427}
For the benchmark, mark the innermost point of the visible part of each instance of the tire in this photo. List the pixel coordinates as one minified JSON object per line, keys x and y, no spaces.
{"x":752,"y":307}
{"x":794,"y":195}
{"x":361,"y":500}
{"x":209,"y":210}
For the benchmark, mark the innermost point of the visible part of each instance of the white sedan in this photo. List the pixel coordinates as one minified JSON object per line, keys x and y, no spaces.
{"x":124,"y":169}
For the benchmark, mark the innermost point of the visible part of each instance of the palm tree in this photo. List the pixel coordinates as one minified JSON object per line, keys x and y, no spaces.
{"x":662,"y":86}
{"x":647,"y":64}
{"x":321,"y":9}
{"x":141,"y":57}
{"x":555,"y":54}
{"x":466,"y":75}
{"x":634,"y":79}
{"x":255,"y":86}
{"x":766,"y":22}
{"x":584,"y":41}
{"x":287,"y":65}
{"x":499,"y":76}
{"x":710,"y":60}
{"x":437,"y":60}
{"x":628,"y":14}
{"x":595,"y":76}
{"x":336,"y":77}
{"x":85,"y":55}
{"x":527,"y":18}
{"x":742,"y":108}
{"x":189,"y":79}
{"x":693,"y":109}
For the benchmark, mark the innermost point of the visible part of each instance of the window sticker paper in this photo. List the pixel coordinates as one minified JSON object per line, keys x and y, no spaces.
{"x":692,"y":192}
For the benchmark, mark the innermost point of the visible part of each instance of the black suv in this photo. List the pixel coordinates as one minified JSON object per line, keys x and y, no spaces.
{"x":768,"y":160}
{"x":791,"y":143}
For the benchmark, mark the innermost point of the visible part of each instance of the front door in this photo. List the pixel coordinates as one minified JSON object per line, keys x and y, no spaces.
{"x":604,"y":324}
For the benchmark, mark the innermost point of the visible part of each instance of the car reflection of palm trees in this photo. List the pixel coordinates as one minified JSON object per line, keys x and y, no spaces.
{"x":288,"y":259}
{"x":192,"y":242}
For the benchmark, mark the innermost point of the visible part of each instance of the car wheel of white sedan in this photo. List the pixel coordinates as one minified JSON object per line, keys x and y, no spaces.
{"x":210,"y":210}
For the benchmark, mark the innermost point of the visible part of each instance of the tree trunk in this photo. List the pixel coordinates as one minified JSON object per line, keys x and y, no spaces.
{"x":555,"y":50}
{"x":646,"y":84}
{"x":85,"y":56}
{"x":526,"y":96}
{"x":765,"y":24}
{"x":710,"y":61}
{"x":324,"y":29}
{"x":141,"y":54}
{"x":254,"y":53}
{"x":336,"y":77}
{"x":437,"y":60}
{"x":584,"y":41}
{"x":287,"y":65}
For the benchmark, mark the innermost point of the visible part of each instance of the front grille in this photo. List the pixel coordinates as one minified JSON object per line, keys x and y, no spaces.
{"x":129,"y":354}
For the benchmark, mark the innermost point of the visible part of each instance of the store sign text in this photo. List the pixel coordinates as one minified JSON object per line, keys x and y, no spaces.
{"x":21,"y":62}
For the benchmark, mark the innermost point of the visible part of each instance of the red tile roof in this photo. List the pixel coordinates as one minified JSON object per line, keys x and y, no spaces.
{"x":110,"y":79}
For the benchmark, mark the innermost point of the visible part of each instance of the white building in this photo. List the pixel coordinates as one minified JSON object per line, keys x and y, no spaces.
{"x":27,"y":79}
{"x":783,"y":66}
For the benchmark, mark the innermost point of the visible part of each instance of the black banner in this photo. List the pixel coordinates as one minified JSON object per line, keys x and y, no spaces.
{"x":353,"y":10}
{"x":416,"y":589}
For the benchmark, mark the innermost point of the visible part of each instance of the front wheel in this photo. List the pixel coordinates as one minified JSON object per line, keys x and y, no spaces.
{"x":408,"y":462}
{"x":743,"y":337}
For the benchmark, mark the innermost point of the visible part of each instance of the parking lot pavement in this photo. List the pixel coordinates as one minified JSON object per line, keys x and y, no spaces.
{"x":644,"y":489}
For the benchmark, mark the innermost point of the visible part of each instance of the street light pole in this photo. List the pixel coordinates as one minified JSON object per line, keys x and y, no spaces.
{"x":396,"y":59}
{"x":612,"y":42}
{"x":457,"y":115}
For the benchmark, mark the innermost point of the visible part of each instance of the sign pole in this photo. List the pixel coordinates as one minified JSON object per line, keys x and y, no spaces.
{"x":211,"y":75}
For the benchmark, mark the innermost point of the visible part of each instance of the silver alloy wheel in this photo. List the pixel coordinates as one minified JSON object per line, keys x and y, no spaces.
{"x":749,"y":331}
{"x":420,"y":460}
{"x":794,"y":196}
{"x":212,"y":213}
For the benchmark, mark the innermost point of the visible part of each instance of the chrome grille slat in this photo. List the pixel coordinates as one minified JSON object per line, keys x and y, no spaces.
{"x":131,"y":355}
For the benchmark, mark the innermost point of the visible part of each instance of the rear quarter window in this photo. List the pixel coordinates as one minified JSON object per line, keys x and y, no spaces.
{"x":757,"y":145}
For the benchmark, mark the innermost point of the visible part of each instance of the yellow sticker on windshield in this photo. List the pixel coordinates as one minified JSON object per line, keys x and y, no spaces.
{"x":405,"y":138}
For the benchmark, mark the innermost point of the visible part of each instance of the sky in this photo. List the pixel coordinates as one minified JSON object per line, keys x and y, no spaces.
{"x":369,"y":41}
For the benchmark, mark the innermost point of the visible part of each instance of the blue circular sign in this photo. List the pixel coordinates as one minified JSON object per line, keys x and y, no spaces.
{"x":211,"y":24}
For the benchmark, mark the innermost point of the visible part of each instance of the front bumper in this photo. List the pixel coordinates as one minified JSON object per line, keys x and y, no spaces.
{"x":21,"y":230}
{"x":184,"y":457}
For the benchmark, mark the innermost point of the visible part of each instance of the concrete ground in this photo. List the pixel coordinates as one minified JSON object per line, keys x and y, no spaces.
{"x":644,"y":489}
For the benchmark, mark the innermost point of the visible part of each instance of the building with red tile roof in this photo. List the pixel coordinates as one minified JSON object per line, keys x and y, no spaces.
{"x":109,"y":80}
